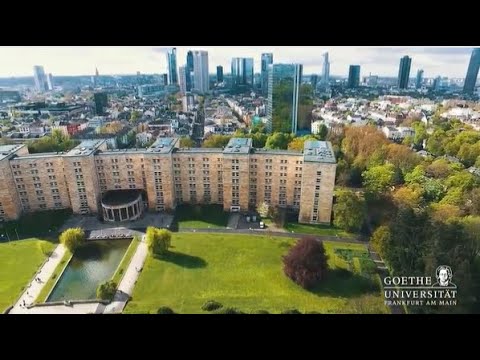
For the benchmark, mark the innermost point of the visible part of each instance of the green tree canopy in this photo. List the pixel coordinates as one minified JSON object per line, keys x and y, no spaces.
{"x":72,"y":238}
{"x":349,"y":211}
{"x":158,"y":240}
{"x":378,"y":178}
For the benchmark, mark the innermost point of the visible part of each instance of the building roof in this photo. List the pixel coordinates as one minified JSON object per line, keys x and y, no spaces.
{"x":86,"y":147}
{"x":319,"y":151}
{"x":238,"y":145}
{"x":6,"y":150}
{"x":162,"y":146}
{"x":120,"y":197}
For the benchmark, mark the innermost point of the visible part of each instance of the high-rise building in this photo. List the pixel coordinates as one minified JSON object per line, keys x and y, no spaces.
{"x":404,"y":72}
{"x":164,"y":79}
{"x":419,"y":81}
{"x":353,"y":76}
{"x":200,"y":71}
{"x":101,"y":102}
{"x":314,"y":82}
{"x":437,"y":83}
{"x":40,"y":79}
{"x":267,"y":59}
{"x":50,"y":82}
{"x":472,"y":72}
{"x":219,"y":74}
{"x":182,"y":78}
{"x":172,"y":66}
{"x":242,"y":71}
{"x":290,"y":104}
{"x":189,"y":71}
{"x":326,"y":70}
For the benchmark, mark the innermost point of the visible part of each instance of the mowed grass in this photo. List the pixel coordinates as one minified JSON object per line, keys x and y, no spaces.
{"x":19,"y":261}
{"x":316,"y":230}
{"x":200,"y":216}
{"x":246,"y":272}
{"x":49,"y":285}
{"x":122,"y":267}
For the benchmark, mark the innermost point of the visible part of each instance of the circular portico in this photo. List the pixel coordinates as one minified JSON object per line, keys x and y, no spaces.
{"x":122,"y":205}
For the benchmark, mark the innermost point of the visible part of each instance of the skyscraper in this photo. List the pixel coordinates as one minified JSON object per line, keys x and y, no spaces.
{"x":164,"y":79}
{"x":189,"y":71}
{"x":182,"y":78}
{"x":219,"y":74}
{"x":472,"y":72}
{"x":353,"y":76}
{"x":50,"y":82}
{"x":40,"y":78}
{"x":404,"y":72}
{"x":326,"y":70}
{"x":242,"y":71}
{"x":200,"y":71}
{"x":314,"y":82}
{"x":419,"y":81}
{"x":101,"y":102}
{"x":267,"y":59}
{"x":290,"y":104}
{"x":172,"y":66}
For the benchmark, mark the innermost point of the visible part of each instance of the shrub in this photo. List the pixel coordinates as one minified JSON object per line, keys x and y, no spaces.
{"x":165,"y":310}
{"x":106,"y":291}
{"x":260,"y":312}
{"x":306,"y":262}
{"x":291,"y":311}
{"x":228,"y":310}
{"x":211,"y":305}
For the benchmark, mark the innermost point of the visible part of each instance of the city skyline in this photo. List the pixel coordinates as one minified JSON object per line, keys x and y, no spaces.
{"x":382,"y":61}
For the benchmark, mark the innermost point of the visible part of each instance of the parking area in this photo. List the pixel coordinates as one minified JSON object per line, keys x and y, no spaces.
{"x":248,"y":221}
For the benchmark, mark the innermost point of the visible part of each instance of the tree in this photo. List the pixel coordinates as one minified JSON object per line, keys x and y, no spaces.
{"x":165,"y":310}
{"x":444,"y":212}
{"x":472,"y":200}
{"x":380,"y":240}
{"x":402,"y":157}
{"x":107,"y":290}
{"x":158,"y":240}
{"x":439,"y":169}
{"x":408,"y":196}
{"x":306,"y":262}
{"x":349,"y":211}
{"x":297,"y":143}
{"x":278,"y":141}
{"x":216,"y":141}
{"x":263,"y":209}
{"x":378,"y":179}
{"x":186,"y":142}
{"x":275,"y":213}
{"x":361,"y":142}
{"x":134,"y":116}
{"x":322,"y":132}
{"x":72,"y":238}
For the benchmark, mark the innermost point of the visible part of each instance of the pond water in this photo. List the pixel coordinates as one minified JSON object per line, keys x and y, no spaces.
{"x":91,"y":265}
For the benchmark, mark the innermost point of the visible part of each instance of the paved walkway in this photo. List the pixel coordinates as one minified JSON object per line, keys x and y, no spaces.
{"x":125,"y":289}
{"x":34,"y":288}
{"x":382,"y":270}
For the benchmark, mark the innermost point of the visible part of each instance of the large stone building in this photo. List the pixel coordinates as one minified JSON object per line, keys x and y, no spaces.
{"x":238,"y":176}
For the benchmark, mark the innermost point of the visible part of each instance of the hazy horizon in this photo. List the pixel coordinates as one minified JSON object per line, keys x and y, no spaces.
{"x":451,"y":62}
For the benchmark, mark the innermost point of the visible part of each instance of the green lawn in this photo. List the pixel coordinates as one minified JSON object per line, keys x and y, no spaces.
{"x":316,"y":230}
{"x":200,"y":216}
{"x":47,"y":288}
{"x":245,"y":271}
{"x":42,"y":223}
{"x":19,"y":261}
{"x":117,"y":277}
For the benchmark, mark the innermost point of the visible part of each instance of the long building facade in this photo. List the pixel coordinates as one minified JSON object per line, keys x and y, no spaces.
{"x":238,"y":176}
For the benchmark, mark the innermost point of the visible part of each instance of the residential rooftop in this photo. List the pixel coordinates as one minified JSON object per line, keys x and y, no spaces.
{"x":319,"y":151}
{"x":86,"y":147}
{"x":238,"y":145}
{"x":7,"y":150}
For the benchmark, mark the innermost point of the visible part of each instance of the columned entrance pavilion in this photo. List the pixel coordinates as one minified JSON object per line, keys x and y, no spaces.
{"x":122,"y":205}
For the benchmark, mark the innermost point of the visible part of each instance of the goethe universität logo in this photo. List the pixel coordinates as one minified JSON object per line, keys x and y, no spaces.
{"x":420,"y":290}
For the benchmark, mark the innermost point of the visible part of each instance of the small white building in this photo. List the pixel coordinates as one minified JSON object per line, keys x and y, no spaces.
{"x":143,"y":138}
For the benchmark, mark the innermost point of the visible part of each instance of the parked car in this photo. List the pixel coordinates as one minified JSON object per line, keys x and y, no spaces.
{"x":262,"y":225}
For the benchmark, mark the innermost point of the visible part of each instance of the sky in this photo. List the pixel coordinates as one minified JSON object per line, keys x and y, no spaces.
{"x":82,"y":60}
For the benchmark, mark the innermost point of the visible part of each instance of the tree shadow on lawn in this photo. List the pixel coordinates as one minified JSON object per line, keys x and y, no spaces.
{"x":183,"y":260}
{"x":343,"y":283}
